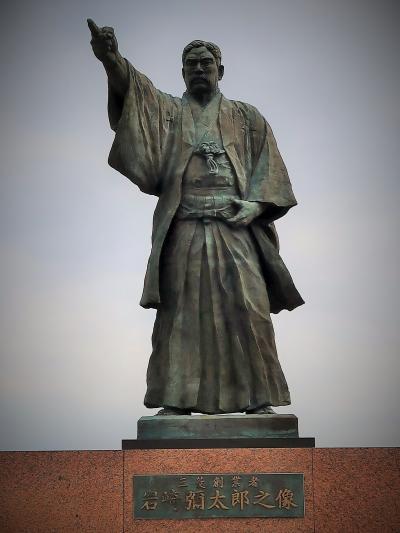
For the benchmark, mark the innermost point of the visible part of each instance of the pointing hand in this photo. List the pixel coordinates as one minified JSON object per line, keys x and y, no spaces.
{"x":104,"y":42}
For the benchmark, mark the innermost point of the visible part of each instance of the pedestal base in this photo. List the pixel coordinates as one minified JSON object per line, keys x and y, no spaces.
{"x":93,"y":490}
{"x":217,"y":427}
{"x":201,"y":444}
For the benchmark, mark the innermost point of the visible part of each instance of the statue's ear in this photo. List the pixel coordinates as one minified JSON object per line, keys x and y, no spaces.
{"x":220,"y":72}
{"x":183,"y":73}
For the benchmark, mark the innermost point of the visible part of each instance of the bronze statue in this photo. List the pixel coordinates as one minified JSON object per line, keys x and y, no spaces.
{"x":214,"y":273}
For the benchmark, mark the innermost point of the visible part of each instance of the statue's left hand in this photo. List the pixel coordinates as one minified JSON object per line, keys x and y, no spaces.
{"x":248,"y":211}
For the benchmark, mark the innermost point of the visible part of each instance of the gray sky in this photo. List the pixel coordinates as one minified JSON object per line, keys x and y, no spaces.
{"x":75,"y":234}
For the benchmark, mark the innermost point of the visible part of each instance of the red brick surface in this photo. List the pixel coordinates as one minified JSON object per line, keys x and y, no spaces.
{"x":346,"y":490}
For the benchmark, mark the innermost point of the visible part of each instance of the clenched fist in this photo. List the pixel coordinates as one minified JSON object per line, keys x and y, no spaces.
{"x":104,"y":42}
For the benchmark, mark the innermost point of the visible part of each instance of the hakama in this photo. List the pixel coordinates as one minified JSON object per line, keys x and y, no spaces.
{"x":213,"y":340}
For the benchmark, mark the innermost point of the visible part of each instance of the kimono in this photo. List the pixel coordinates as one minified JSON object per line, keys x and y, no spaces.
{"x":214,"y":286}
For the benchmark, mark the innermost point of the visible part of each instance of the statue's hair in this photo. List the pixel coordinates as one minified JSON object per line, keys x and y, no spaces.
{"x":213,"y":48}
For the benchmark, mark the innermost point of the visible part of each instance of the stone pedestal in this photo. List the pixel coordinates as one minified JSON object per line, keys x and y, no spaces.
{"x":217,"y":427}
{"x":218,"y":431}
{"x":346,"y":490}
{"x":229,"y":461}
{"x":65,"y":491}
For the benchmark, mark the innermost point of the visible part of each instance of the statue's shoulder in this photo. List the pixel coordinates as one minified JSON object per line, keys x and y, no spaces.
{"x":148,"y":89}
{"x":175,"y":100}
{"x":249,"y":113}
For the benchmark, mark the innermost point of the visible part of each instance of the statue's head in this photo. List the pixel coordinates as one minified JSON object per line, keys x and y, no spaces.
{"x":202,"y":67}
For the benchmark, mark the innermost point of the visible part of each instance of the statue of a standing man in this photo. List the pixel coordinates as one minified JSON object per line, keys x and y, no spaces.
{"x":214,"y":273}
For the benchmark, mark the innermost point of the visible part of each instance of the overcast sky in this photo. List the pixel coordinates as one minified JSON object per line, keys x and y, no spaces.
{"x":75,"y":234}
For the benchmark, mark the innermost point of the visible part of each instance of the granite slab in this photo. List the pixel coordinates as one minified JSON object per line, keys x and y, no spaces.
{"x":228,"y":461}
{"x":356,"y":489}
{"x":63,"y":492}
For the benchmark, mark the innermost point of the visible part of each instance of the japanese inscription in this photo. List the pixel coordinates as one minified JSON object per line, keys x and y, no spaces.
{"x":219,"y":495}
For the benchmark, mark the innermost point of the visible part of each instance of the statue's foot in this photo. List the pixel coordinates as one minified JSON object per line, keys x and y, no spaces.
{"x":172,"y":411}
{"x":263,"y":410}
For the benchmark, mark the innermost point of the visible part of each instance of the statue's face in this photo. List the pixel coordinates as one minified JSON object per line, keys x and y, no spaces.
{"x":200,"y":71}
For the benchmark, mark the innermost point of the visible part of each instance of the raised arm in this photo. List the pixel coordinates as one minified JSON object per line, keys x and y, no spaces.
{"x":139,"y":113}
{"x":105,"y":48}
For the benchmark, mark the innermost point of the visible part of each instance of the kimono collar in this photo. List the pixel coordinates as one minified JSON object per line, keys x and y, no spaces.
{"x":225,"y":120}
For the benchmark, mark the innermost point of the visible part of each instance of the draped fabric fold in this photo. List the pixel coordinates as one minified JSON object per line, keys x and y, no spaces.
{"x":154,"y":141}
{"x":213,"y":341}
{"x":213,"y":285}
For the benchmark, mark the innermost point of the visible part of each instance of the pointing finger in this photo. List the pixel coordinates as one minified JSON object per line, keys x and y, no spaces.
{"x":94,"y":29}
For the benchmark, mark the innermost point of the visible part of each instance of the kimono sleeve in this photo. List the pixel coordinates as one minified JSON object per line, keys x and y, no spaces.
{"x":269,"y":182}
{"x":139,"y":120}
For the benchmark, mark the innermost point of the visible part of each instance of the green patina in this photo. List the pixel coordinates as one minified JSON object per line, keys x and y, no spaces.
{"x":218,"y":427}
{"x":214,"y":273}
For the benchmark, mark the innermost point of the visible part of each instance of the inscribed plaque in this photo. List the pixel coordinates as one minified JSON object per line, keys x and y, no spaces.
{"x":258,"y":495}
